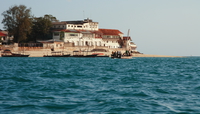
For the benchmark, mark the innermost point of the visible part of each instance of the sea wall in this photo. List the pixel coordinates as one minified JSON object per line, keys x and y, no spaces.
{"x":41,"y":51}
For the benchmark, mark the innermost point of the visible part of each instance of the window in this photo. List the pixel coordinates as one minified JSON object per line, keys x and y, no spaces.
{"x":73,"y":34}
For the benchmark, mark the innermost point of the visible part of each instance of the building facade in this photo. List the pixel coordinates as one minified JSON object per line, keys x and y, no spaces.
{"x":86,"y":33}
{"x":5,"y":38}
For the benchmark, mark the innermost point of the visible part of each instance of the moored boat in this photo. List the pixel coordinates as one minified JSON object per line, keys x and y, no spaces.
{"x":57,"y":54}
{"x":118,"y":55}
{"x":81,"y":54}
{"x":8,"y":53}
{"x":84,"y":56}
{"x":100,"y":55}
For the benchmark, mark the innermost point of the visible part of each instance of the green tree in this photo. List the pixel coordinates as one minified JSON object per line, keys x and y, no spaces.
{"x":50,"y":18}
{"x":41,"y":28}
{"x":17,"y":20}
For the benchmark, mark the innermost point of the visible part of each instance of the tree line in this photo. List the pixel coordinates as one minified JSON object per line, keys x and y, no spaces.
{"x":20,"y":23}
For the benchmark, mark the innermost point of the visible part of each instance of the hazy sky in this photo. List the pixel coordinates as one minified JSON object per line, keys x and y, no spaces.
{"x":162,"y":27}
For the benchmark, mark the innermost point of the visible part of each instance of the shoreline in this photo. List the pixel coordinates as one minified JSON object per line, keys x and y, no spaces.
{"x":149,"y":55}
{"x":41,"y":53}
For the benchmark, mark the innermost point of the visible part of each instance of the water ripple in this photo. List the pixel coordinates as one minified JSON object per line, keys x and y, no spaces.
{"x":99,"y":85}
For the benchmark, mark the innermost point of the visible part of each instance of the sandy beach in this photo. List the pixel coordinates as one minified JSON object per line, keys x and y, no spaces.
{"x":41,"y":53}
{"x":149,"y":55}
{"x":47,"y":52}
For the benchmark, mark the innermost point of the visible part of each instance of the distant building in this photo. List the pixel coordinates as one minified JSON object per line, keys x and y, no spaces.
{"x":86,"y":24}
{"x":86,"y":33}
{"x":127,"y":41}
{"x":4,"y":38}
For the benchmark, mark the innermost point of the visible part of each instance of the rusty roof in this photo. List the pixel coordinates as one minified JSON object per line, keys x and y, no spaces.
{"x":2,"y":34}
{"x":110,"y":31}
{"x":114,"y":32}
{"x":126,"y":38}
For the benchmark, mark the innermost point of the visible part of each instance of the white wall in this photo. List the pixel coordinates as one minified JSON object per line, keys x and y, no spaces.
{"x":85,"y":26}
{"x":79,"y":40}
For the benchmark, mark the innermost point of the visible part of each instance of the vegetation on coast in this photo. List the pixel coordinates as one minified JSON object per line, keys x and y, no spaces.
{"x":20,"y":23}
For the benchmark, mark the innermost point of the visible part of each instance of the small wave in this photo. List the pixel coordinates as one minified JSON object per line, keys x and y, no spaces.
{"x":141,"y":94}
{"x":20,"y":79}
{"x":162,"y":91}
{"x":197,"y":88}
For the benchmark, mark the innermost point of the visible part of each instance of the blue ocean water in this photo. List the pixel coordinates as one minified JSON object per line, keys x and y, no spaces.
{"x":100,"y":85}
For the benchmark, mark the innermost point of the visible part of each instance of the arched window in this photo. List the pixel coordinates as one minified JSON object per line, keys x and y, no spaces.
{"x":87,"y":43}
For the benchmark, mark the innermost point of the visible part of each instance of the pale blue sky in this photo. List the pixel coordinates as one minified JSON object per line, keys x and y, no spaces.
{"x":162,"y":27}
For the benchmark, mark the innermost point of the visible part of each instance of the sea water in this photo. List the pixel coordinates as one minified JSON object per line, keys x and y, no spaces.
{"x":99,"y":85}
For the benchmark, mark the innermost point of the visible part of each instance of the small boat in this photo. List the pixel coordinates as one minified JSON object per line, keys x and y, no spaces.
{"x":100,"y":55}
{"x":57,"y":54}
{"x":8,"y":53}
{"x":81,"y":54}
{"x":68,"y":55}
{"x":84,"y":56}
{"x":93,"y":55}
{"x":118,"y":55}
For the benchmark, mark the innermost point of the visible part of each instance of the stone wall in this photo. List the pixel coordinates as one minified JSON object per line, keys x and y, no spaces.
{"x":40,"y":51}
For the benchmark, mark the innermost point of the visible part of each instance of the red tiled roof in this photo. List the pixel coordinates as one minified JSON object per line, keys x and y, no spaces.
{"x":2,"y":34}
{"x":126,"y":38}
{"x":110,"y":31}
{"x":98,"y":33}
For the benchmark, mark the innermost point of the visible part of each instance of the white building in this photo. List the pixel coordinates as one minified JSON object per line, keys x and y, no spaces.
{"x":86,"y":33}
{"x":5,"y":38}
{"x":86,"y":24}
{"x":129,"y":44}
